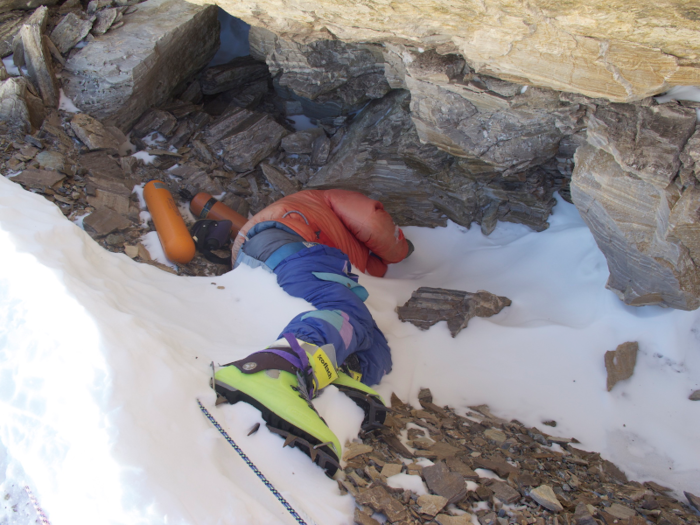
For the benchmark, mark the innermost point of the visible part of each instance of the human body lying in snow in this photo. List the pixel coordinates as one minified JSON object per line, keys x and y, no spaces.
{"x":309,"y":241}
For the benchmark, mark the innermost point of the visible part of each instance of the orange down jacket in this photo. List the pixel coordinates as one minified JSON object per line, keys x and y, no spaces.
{"x":347,"y":220}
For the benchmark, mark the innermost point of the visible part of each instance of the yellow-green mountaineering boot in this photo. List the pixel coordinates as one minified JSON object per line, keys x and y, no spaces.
{"x":280,"y":382}
{"x":364,"y":397}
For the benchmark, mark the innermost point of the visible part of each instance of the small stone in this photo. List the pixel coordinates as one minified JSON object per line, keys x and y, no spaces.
{"x":144,"y":254}
{"x":115,"y":239}
{"x":445,"y":483}
{"x":583,"y":516}
{"x":105,"y":221}
{"x":495,"y":435}
{"x":457,"y":466}
{"x":504,"y":492}
{"x":695,"y":396}
{"x":93,"y":134}
{"x":39,"y":179}
{"x":499,"y":467}
{"x":108,"y":193}
{"x":279,"y":180}
{"x":414,"y":469}
{"x":355,"y":449}
{"x":104,"y":21}
{"x":545,"y":496}
{"x":620,"y":363}
{"x":620,"y":511}
{"x":69,"y":31}
{"x":446,"y":519}
{"x":424,"y":394}
{"x":431,"y":505}
{"x":131,"y":251}
{"x":380,"y":500}
{"x":364,"y":519}
{"x":391,"y":469}
{"x":442,"y":450}
{"x":52,"y":160}
{"x":320,"y":151}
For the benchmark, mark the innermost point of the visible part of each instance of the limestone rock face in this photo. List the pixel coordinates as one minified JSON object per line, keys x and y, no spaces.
{"x":642,"y":215}
{"x":131,"y":68}
{"x":592,"y":47}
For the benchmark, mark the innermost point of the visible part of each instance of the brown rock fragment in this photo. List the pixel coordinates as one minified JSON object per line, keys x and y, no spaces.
{"x":20,"y":107}
{"x":695,"y":396}
{"x":39,"y":179}
{"x":69,"y":31}
{"x":445,"y":483}
{"x":105,"y":19}
{"x":391,"y":469}
{"x":108,"y":193}
{"x":545,"y":496}
{"x":381,"y":501}
{"x":620,"y":363}
{"x":362,"y":518}
{"x":446,"y":519}
{"x":431,"y":505}
{"x":504,"y":492}
{"x":582,"y":516}
{"x":499,"y":467}
{"x":457,"y":466}
{"x":38,"y":61}
{"x":279,"y":180}
{"x":105,"y":221}
{"x":93,"y":134}
{"x":428,"y":306}
{"x":355,"y":449}
{"x":621,"y":512}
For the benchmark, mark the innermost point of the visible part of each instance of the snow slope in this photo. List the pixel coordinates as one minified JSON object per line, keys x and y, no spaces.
{"x":102,"y":360}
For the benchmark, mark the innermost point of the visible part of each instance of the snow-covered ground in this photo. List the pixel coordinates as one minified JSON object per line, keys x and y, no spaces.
{"x":102,"y":360}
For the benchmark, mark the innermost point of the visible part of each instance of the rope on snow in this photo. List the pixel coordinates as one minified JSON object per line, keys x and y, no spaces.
{"x":248,"y":462}
{"x":38,"y":509}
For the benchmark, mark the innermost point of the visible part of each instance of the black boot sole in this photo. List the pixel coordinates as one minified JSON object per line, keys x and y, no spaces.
{"x":375,"y":411}
{"x":321,"y":454}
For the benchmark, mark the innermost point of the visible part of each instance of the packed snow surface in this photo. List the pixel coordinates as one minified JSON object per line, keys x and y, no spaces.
{"x":102,"y":360}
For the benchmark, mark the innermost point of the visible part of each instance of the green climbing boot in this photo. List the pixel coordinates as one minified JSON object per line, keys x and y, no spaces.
{"x":285,"y":408}
{"x":364,"y":397}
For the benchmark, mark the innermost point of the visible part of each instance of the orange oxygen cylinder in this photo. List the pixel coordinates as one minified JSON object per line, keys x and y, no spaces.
{"x":204,"y":206}
{"x":172,"y":230}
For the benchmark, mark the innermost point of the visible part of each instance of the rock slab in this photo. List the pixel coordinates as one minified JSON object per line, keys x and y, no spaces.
{"x":428,"y":306}
{"x":592,"y":47}
{"x":136,"y":66}
{"x":631,"y":193}
{"x":620,"y":363}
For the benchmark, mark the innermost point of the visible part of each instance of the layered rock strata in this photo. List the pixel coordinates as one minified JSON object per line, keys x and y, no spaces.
{"x":627,"y":184}
{"x":327,"y":77}
{"x":591,"y":47}
{"x":116,"y":77}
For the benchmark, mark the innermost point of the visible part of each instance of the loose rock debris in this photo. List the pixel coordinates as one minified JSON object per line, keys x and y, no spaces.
{"x":534,"y":478}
